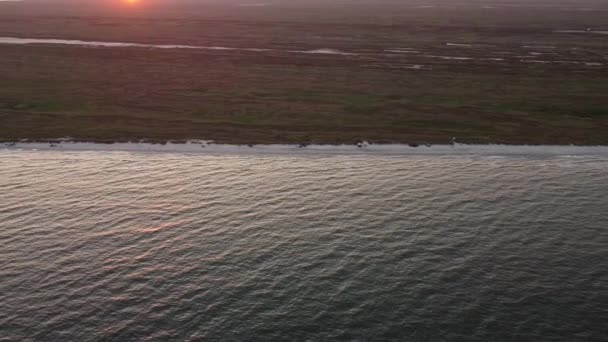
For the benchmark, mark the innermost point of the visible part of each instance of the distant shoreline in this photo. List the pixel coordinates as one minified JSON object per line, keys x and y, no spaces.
{"x":301,"y":144}
{"x":198,"y":146}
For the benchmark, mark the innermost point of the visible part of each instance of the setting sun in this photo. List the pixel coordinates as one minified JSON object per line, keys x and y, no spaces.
{"x":131,"y":2}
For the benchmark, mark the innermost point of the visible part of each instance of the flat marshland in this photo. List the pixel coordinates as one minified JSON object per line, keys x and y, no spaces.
{"x":533,"y":72}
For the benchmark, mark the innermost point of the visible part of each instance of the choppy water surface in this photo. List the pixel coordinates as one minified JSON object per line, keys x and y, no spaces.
{"x":155,"y":246}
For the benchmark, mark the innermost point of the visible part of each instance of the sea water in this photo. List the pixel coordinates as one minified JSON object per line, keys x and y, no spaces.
{"x":135,"y":245}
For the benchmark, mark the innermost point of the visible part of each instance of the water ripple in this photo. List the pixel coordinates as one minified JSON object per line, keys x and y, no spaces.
{"x":136,"y":246}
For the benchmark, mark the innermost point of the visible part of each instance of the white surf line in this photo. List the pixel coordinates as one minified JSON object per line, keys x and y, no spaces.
{"x":325,"y":51}
{"x":450,"y":57}
{"x":538,"y":47}
{"x":469,"y":45}
{"x":534,"y":61}
{"x":23,"y":41}
{"x":401,"y":51}
{"x":416,"y":67}
{"x":581,"y":31}
{"x":588,"y":64}
{"x":205,"y":147}
{"x":459,"y":45}
{"x":400,"y":66}
{"x":456,"y":58}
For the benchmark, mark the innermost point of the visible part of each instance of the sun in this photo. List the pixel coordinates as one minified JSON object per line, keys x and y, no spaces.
{"x":131,"y":2}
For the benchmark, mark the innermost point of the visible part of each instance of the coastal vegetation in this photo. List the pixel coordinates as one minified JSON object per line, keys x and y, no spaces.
{"x":396,"y":72}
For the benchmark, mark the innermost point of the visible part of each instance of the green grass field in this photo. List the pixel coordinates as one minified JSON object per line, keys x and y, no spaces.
{"x":518,"y":81}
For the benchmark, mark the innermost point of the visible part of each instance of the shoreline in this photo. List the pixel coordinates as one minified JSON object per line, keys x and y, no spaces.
{"x":363,"y":148}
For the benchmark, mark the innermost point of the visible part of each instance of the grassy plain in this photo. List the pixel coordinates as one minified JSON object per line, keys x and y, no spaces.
{"x":480,"y":73}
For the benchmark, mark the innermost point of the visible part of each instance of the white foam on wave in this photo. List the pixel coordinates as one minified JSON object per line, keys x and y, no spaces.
{"x":326,"y":51}
{"x":579,"y":63}
{"x":367,"y":149}
{"x":400,"y":66}
{"x":459,"y":45}
{"x":416,"y":67}
{"x":538,"y":47}
{"x":536,"y":61}
{"x":401,"y":51}
{"x":581,"y":31}
{"x":455,"y":58}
